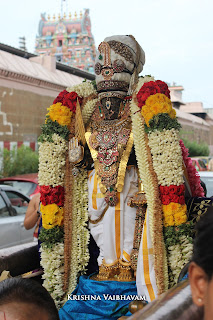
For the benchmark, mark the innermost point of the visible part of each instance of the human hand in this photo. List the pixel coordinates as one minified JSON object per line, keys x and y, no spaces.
{"x":76,"y":151}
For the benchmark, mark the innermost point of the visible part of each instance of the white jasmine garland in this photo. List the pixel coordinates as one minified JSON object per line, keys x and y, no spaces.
{"x":142,"y":159}
{"x":80,"y":233}
{"x":88,"y":110}
{"x":179,"y":255}
{"x":186,"y":248}
{"x":83,"y":89}
{"x":175,"y":261}
{"x":165,"y":269}
{"x":52,"y":261}
{"x":167,"y":156}
{"x":52,"y":157}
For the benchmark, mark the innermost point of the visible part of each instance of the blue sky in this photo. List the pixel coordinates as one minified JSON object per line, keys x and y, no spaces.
{"x":176,"y":35}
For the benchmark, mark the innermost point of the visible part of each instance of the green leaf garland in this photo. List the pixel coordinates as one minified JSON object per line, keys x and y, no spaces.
{"x":51,"y":127}
{"x":172,"y":234}
{"x":162,"y":121}
{"x":49,"y":237}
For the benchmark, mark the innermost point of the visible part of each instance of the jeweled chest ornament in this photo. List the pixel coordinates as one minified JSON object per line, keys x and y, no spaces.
{"x":110,"y":138}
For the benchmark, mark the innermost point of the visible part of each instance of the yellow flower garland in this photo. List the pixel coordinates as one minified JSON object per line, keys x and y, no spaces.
{"x":155,"y":104}
{"x":174,"y":214}
{"x":52,"y":216}
{"x":60,"y":113}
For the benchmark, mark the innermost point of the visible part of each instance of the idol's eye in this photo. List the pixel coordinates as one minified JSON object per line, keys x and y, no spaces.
{"x":98,"y":67}
{"x":118,"y":65}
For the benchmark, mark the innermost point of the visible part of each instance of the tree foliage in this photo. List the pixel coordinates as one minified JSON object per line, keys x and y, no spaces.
{"x":196,"y":149}
{"x":18,"y":161}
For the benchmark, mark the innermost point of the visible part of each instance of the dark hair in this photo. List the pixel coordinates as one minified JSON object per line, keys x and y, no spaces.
{"x":203,"y":243}
{"x":30,"y":292}
{"x":203,"y":185}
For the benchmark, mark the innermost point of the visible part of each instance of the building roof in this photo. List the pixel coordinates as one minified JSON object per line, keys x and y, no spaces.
{"x":190,"y":117}
{"x":44,"y":68}
{"x":193,"y":107}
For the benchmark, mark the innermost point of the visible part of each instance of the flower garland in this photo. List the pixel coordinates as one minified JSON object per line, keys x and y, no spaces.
{"x":141,"y":82}
{"x":52,"y":216}
{"x":49,"y":128}
{"x":150,"y":186}
{"x":178,"y":241}
{"x":53,"y":148}
{"x":84,"y":89}
{"x":157,"y":104}
{"x":88,"y":110}
{"x":51,"y":195}
{"x":80,"y":233}
{"x":51,"y":236}
{"x":52,"y":161}
{"x":151,"y":88}
{"x":154,"y":101}
{"x":174,"y":214}
{"x":61,"y":114}
{"x":52,"y":263}
{"x":193,"y":175}
{"x":68,"y":99}
{"x":52,"y":153}
{"x":167,"y":157}
{"x":172,"y":194}
{"x":160,"y":168}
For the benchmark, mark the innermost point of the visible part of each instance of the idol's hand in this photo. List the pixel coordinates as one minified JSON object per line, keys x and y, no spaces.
{"x":76,"y":151}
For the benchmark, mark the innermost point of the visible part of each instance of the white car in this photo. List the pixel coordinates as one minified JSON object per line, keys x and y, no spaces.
{"x":13,"y":206}
{"x":207,"y":178}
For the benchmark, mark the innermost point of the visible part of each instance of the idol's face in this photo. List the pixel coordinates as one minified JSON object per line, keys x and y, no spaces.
{"x":114,"y":66}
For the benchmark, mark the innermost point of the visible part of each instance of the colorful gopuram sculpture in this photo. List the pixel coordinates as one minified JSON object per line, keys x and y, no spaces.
{"x":112,"y":165}
{"x":69,"y":39}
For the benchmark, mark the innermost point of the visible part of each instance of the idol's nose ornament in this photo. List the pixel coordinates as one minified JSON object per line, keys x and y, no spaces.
{"x":107,"y":70}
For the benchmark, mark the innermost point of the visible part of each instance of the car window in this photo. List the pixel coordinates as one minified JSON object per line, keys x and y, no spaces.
{"x":202,"y":164}
{"x":3,"y":208}
{"x":195,"y":164}
{"x":209,"y":185}
{"x":18,"y":202}
{"x":23,"y":186}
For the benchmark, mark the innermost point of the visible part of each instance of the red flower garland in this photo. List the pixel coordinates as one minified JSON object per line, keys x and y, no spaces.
{"x":60,"y":97}
{"x":68,"y":99}
{"x":193,"y":175}
{"x":51,"y":195}
{"x":151,"y":88}
{"x":163,"y":88}
{"x":172,"y":193}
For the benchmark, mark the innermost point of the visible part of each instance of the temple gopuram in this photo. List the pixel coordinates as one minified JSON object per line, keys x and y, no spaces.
{"x":67,"y":38}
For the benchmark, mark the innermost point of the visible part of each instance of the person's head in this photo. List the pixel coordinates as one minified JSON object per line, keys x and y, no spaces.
{"x":203,"y":185}
{"x":24,"y":299}
{"x":119,"y":61}
{"x":201,"y":267}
